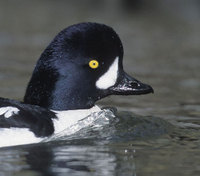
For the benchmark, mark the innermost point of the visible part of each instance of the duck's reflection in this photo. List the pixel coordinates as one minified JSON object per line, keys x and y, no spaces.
{"x":39,"y":158}
{"x":72,"y":160}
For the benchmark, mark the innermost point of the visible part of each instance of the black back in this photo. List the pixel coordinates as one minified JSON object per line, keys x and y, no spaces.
{"x":36,"y":119}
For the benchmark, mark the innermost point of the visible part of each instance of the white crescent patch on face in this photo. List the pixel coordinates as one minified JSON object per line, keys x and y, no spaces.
{"x":109,"y":78}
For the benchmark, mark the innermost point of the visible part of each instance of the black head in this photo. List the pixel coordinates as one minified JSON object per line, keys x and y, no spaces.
{"x":80,"y":66}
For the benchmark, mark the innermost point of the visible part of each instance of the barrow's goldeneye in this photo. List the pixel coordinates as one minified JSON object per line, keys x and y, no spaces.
{"x":81,"y":65}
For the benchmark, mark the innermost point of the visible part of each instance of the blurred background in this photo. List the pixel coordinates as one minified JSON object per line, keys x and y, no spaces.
{"x":161,"y":41}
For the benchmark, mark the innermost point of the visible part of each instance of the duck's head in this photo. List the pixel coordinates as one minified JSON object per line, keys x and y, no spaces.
{"x":80,"y":66}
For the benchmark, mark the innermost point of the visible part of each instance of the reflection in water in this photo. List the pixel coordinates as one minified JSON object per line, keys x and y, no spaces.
{"x":39,"y":158}
{"x":84,"y":160}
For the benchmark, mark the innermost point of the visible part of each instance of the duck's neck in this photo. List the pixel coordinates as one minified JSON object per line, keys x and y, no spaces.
{"x":70,"y":93}
{"x":40,"y":87}
{"x":50,"y":91}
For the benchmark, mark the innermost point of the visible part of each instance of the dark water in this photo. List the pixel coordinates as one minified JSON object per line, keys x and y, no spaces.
{"x":156,"y":134}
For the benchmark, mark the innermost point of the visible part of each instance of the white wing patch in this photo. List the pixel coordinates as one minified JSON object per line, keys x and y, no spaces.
{"x":8,"y":111}
{"x":109,"y":78}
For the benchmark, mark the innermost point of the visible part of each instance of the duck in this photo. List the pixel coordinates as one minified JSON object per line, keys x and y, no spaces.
{"x":82,"y":64}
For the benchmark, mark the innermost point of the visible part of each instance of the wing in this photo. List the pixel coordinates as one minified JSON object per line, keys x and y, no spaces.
{"x":19,"y":115}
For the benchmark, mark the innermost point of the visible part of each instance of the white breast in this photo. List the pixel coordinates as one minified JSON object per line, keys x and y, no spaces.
{"x":70,"y":117}
{"x":17,"y":136}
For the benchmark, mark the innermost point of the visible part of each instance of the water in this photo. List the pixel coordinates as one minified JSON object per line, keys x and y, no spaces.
{"x":157,"y":134}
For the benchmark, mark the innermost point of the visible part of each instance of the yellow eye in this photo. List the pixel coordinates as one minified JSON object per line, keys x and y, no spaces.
{"x":94,"y":64}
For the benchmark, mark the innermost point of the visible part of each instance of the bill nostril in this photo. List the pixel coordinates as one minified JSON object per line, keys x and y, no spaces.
{"x":134,"y":84}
